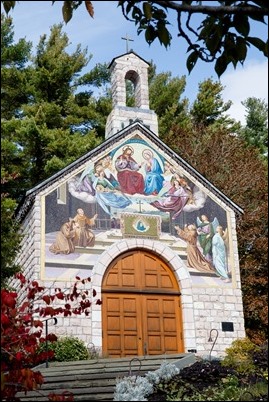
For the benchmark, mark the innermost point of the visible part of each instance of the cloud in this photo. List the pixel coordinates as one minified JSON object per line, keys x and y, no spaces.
{"x":248,"y":81}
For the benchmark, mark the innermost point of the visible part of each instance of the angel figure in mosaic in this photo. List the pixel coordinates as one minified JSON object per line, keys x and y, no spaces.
{"x":206,"y":231}
{"x":106,"y":194}
{"x":173,"y":200}
{"x":219,"y":253}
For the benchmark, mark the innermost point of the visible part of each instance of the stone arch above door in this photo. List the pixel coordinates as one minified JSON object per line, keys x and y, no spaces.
{"x":174,"y":262}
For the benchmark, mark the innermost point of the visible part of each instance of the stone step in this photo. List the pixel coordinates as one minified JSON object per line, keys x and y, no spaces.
{"x":95,"y":380}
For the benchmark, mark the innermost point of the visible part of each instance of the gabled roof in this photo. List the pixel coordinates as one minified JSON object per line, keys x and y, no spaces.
{"x":30,"y":195}
{"x":130,"y":52}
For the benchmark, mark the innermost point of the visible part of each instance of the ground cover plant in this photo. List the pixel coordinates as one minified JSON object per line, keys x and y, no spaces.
{"x":241,"y":376}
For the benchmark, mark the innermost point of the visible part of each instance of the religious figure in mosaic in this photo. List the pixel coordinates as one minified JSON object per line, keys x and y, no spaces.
{"x":84,"y":237}
{"x":206,"y":231}
{"x":131,"y":181}
{"x":219,"y":253}
{"x":64,"y":239}
{"x":173,"y":200}
{"x":154,"y":174}
{"x":195,"y":258}
{"x":106,"y":194}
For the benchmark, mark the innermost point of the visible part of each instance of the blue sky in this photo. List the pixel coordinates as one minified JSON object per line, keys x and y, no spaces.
{"x":102,"y":36}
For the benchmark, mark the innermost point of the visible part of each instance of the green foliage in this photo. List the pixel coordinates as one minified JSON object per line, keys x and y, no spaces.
{"x":256,"y":130}
{"x":66,"y":349}
{"x":14,"y":57}
{"x":10,"y":236}
{"x":239,"y":355}
{"x":222,"y":37}
{"x":165,"y":95}
{"x":227,"y":390}
{"x":209,"y":108}
{"x":54,"y":123}
{"x":216,"y":381}
{"x":260,"y":358}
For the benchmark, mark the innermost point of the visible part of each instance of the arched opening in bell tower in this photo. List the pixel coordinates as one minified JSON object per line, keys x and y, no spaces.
{"x":133,"y":89}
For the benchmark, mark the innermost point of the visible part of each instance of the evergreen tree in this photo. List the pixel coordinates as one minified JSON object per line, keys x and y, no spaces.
{"x":59,"y":120}
{"x":209,"y":109}
{"x":46,"y":121}
{"x":14,"y":57}
{"x":165,"y":95}
{"x":10,"y":236}
{"x":256,"y":130}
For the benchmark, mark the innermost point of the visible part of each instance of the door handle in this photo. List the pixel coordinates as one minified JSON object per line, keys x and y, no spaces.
{"x":145,"y":348}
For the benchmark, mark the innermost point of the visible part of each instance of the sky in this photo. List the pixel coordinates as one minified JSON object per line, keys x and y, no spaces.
{"x":102,"y":36}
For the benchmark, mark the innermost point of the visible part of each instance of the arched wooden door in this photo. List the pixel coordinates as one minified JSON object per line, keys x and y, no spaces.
{"x":141,"y":310}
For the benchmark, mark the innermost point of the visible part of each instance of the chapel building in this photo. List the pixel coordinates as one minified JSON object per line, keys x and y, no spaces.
{"x":157,"y":238}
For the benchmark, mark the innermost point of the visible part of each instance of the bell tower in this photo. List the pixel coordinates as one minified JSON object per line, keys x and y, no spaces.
{"x":133,"y":68}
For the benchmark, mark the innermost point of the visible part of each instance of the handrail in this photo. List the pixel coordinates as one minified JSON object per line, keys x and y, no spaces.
{"x":46,"y":331}
{"x":210,"y":340}
{"x":130,"y":365}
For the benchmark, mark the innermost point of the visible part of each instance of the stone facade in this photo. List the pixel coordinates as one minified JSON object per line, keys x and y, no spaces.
{"x":206,"y":302}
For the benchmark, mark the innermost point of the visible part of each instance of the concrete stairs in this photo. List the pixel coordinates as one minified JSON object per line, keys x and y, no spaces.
{"x":95,"y":380}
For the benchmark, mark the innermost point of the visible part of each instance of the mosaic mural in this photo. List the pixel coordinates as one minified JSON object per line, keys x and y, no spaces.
{"x":134,"y":191}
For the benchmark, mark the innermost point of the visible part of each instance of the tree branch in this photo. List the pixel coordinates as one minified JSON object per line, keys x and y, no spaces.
{"x":214,"y":10}
{"x":203,"y":55}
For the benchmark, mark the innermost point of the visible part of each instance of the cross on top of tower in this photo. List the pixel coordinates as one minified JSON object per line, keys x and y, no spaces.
{"x":127,"y":40}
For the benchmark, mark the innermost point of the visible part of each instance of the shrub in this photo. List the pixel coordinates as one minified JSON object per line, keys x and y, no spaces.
{"x":243,"y":376}
{"x":66,"y":349}
{"x":136,"y":388}
{"x":132,"y":388}
{"x":239,"y":356}
{"x":260,"y":356}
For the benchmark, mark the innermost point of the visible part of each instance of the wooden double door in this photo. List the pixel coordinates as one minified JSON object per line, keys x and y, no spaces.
{"x":141,"y":309}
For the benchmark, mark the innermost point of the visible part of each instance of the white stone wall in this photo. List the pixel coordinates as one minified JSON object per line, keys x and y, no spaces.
{"x":135,"y":69}
{"x":29,"y":256}
{"x":120,"y":117}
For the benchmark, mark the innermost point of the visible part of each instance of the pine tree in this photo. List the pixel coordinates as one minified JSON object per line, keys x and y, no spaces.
{"x":256,"y":130}
{"x":59,"y":120}
{"x":209,"y":108}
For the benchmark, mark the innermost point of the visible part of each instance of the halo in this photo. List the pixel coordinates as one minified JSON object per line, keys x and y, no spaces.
{"x":147,"y":151}
{"x":128,"y":147}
